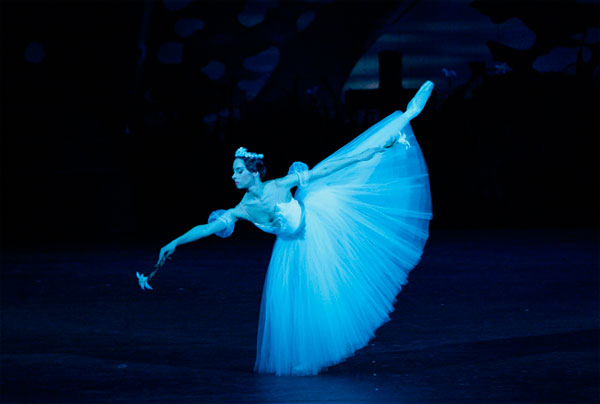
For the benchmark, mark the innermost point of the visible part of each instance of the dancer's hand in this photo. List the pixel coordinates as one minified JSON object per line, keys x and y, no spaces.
{"x":416,"y":105}
{"x":143,"y":281}
{"x":394,"y":140}
{"x":370,"y":153}
{"x":165,"y":254}
{"x":391,"y":142}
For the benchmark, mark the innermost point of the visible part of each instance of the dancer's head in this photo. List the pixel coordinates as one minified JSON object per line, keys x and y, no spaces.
{"x":248,"y":168}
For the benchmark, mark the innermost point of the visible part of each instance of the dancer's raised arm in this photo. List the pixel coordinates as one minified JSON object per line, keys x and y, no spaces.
{"x":414,"y":108}
{"x":331,"y":167}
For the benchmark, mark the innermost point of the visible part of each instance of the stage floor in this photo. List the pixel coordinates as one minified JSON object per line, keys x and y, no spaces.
{"x":494,"y":316}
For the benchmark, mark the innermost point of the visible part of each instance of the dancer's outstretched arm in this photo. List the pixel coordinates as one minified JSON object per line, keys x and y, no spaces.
{"x":196,"y":233}
{"x":193,"y":234}
{"x":414,"y":108}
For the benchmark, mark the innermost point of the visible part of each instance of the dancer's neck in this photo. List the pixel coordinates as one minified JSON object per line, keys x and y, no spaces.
{"x":256,"y":190}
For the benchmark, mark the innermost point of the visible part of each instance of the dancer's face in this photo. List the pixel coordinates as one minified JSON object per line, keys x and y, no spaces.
{"x":241,"y":176}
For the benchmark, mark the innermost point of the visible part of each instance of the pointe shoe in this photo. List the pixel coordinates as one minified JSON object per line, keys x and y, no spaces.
{"x":416,"y":105}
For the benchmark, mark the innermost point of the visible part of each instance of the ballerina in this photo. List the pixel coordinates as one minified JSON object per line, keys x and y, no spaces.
{"x":346,"y":241}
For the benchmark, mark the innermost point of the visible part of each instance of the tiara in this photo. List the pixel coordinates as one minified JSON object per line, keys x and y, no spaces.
{"x":242,"y":152}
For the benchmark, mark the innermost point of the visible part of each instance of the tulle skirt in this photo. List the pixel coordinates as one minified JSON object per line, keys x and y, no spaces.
{"x":330,"y":287}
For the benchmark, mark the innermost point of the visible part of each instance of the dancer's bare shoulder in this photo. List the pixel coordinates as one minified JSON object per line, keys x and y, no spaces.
{"x":289,"y":181}
{"x":239,"y":212}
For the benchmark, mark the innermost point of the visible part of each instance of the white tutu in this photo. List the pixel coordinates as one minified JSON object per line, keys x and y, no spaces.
{"x":333,"y":282}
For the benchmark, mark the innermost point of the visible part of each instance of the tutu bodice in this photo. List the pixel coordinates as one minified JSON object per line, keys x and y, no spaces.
{"x":287,"y":221}
{"x":285,"y":212}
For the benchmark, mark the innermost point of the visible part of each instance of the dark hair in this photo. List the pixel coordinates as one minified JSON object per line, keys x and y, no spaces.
{"x":255,"y":165}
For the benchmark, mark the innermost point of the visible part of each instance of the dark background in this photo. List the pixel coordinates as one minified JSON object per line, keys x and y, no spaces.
{"x":108,"y":133}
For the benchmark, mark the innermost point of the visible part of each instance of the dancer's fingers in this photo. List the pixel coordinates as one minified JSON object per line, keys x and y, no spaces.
{"x":391,"y":142}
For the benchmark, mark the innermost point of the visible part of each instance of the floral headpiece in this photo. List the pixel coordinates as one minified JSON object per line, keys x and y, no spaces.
{"x":243,"y":152}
